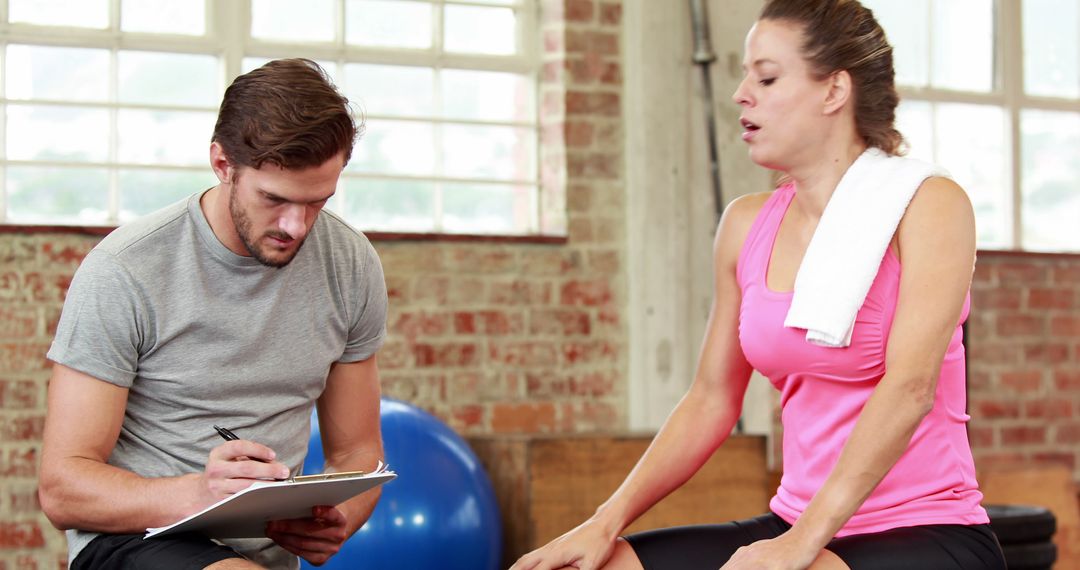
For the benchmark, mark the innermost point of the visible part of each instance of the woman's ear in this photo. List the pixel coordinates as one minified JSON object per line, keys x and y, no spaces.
{"x":839,"y":91}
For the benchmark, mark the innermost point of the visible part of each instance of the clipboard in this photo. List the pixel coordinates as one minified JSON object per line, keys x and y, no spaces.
{"x":245,"y":514}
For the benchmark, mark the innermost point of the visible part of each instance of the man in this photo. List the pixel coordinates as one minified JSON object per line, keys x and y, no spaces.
{"x":243,"y":306}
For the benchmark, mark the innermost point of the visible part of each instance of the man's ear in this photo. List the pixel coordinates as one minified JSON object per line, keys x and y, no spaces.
{"x":839,"y":91}
{"x":220,"y":163}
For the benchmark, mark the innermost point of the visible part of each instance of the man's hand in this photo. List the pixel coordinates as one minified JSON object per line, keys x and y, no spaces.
{"x":314,"y":539}
{"x":234,"y":465}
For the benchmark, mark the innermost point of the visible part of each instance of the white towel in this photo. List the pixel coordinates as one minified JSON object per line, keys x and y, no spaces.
{"x":849,"y":243}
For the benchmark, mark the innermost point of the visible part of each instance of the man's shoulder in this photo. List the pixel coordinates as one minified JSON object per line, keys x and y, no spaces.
{"x":339,"y":237}
{"x":152,"y":228}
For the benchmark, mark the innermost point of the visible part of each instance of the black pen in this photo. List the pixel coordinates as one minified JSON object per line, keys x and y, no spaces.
{"x":225,"y":433}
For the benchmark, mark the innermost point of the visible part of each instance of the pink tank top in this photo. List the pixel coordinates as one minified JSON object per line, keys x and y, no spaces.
{"x":822,"y":391}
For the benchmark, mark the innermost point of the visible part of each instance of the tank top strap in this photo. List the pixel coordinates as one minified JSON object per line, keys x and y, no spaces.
{"x":757,"y":248}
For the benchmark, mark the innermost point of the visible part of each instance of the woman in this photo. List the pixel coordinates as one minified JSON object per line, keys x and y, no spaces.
{"x":878,"y":470}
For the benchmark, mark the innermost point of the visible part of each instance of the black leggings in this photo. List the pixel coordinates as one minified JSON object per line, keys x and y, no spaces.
{"x":931,"y":547}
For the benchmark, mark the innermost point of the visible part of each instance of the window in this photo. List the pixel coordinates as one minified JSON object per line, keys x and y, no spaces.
{"x":991,"y":91}
{"x":109,"y":105}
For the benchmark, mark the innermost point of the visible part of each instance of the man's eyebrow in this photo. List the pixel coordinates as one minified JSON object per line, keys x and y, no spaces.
{"x":274,"y":196}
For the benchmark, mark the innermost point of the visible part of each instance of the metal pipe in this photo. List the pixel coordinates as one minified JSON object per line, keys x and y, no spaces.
{"x":703,"y":58}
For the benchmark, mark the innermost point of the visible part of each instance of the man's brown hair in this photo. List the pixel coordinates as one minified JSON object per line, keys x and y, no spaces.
{"x":287,"y":113}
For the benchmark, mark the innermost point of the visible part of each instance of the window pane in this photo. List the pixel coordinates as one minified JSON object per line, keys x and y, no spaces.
{"x":476,"y":29}
{"x":144,"y":191}
{"x":47,"y":195}
{"x":60,"y":133}
{"x":963,"y":61}
{"x":308,"y":21}
{"x":471,"y":151}
{"x":388,"y":23}
{"x":395,"y":147}
{"x":168,"y":78}
{"x":75,"y":13}
{"x":487,"y":95}
{"x":970,"y":141}
{"x":186,"y":17}
{"x":905,"y":26}
{"x":164,"y":137}
{"x":914,"y":120}
{"x":487,"y":208}
{"x":390,"y":205}
{"x":1052,"y":48}
{"x":72,"y":74}
{"x":1051,"y":180}
{"x":391,"y":90}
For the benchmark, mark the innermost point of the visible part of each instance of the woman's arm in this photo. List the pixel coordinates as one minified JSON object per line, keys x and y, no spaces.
{"x":936,"y":240}
{"x":701,"y":421}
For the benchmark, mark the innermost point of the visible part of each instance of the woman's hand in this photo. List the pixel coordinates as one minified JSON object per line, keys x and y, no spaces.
{"x":781,"y":553}
{"x":586,"y":547}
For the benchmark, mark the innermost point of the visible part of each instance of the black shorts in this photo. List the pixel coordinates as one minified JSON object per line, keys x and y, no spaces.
{"x":930,"y":547}
{"x":129,"y":551}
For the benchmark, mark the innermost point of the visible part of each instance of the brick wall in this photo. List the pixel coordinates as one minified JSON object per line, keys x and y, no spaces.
{"x":1024,"y":360}
{"x":491,"y":337}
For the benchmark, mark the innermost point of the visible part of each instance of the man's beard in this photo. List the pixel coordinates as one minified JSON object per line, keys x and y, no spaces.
{"x":243,"y":228}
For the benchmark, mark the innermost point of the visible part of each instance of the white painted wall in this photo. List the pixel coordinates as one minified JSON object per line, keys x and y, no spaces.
{"x":671,"y":218}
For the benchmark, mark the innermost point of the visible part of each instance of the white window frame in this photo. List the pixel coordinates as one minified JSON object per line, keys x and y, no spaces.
{"x":228,"y":36}
{"x":1008,"y":94}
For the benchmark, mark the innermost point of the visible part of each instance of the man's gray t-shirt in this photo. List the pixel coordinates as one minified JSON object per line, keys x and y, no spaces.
{"x":201,"y":336}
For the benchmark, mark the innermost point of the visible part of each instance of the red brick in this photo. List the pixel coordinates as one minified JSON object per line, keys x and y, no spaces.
{"x":523,"y":418}
{"x":584,"y":416}
{"x":520,"y":293}
{"x":578,"y":133}
{"x":593,"y":293}
{"x":611,"y":74}
{"x":982,"y":437}
{"x":21,"y":534}
{"x":1067,"y":434}
{"x":466,"y":291}
{"x":1046,"y":353}
{"x":594,"y":165}
{"x":431,"y":289}
{"x":24,"y":500}
{"x":551,"y":72}
{"x":553,"y":41}
{"x":604,"y":261}
{"x":580,"y":230}
{"x":446,"y":355}
{"x":991,"y":353}
{"x":397,"y":288}
{"x":18,"y":322}
{"x":67,"y":254}
{"x":1023,"y":381}
{"x":579,"y":10}
{"x":576,"y":42}
{"x":551,"y":262}
{"x":989,"y":461}
{"x":21,"y":428}
{"x":996,"y":298}
{"x":18,"y":249}
{"x":20,"y":394}
{"x":18,"y":462}
{"x":413,"y":387}
{"x":984,"y":274}
{"x":528,"y":353}
{"x":552,"y":105}
{"x":593,"y":103}
{"x":988,"y":409}
{"x":603,"y":43}
{"x":467,"y":418}
{"x":1066,"y":458}
{"x":610,"y":13}
{"x":1067,"y":380}
{"x":394,"y":354}
{"x":1025,"y":274}
{"x":589,"y":352}
{"x":1049,"y":409}
{"x":18,"y":286}
{"x":403,"y":259}
{"x":979,"y":381}
{"x":419,"y":324}
{"x":1023,"y":435}
{"x":488,"y":323}
{"x":1013,"y":324}
{"x":1068,"y":275}
{"x":566,"y":322}
{"x":1065,"y":325}
{"x":1064,"y":298}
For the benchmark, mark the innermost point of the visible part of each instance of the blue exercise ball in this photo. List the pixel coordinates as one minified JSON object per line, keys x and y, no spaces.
{"x":440,"y":511}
